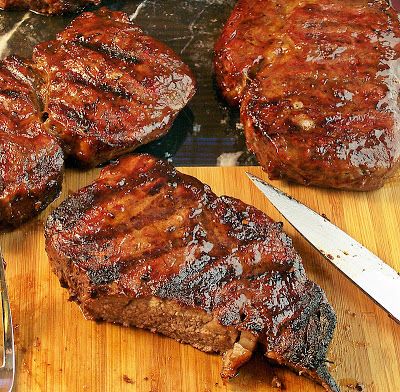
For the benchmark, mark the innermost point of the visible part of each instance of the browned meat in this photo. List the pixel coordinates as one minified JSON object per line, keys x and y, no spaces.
{"x":102,"y":88}
{"x":47,"y":6}
{"x":318,"y":85}
{"x":147,"y":246}
{"x":250,"y":32}
{"x":109,"y":87}
{"x":31,"y":161}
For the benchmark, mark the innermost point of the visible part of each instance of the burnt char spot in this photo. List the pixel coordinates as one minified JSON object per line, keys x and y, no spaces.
{"x":242,"y":227}
{"x":156,"y":188}
{"x":77,"y":116}
{"x":127,"y":379}
{"x":75,"y":78}
{"x":104,"y":275}
{"x":11,"y":93}
{"x":44,"y":116}
{"x":145,"y":277}
{"x":64,"y":283}
{"x":196,"y":284}
{"x":175,"y":287}
{"x":105,"y":49}
{"x":255,"y":325}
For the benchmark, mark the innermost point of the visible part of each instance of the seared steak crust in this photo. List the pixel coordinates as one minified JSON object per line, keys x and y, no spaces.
{"x":31,"y":161}
{"x":101,"y":89}
{"x":47,"y":6}
{"x":250,"y":31}
{"x":318,"y":88}
{"x":109,"y":87}
{"x":147,"y":246}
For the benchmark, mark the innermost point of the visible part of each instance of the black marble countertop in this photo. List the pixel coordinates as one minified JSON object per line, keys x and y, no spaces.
{"x":207,"y":132}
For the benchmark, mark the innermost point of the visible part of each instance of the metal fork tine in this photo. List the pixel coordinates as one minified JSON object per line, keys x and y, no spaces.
{"x":7,"y":370}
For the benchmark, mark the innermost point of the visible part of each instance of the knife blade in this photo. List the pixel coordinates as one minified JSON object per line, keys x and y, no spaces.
{"x":366,"y":270}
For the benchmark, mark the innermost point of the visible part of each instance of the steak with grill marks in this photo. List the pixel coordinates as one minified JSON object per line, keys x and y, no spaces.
{"x":109,"y":88}
{"x":31,"y":161}
{"x":147,"y":246}
{"x":318,"y":86}
{"x":47,"y":6}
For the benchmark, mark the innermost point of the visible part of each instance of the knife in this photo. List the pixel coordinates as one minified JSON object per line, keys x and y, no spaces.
{"x":367,"y":271}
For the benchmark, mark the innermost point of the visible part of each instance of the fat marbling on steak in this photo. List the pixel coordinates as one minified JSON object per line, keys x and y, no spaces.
{"x":318,"y":84}
{"x":109,"y":87}
{"x":31,"y":161}
{"x":147,"y":246}
{"x":47,"y":6}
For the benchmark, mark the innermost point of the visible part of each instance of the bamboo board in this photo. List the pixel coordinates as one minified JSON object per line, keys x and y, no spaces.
{"x":57,"y":350}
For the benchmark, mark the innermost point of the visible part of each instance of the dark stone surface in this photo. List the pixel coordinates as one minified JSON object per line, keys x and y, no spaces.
{"x":207,"y":127}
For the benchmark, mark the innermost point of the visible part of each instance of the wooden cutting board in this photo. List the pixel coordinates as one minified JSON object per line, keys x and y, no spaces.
{"x":58,"y":350}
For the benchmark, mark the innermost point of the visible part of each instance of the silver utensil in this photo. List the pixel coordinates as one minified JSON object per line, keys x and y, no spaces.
{"x":7,"y":368}
{"x":367,"y":271}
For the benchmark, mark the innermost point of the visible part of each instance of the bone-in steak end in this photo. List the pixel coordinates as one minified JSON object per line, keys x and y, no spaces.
{"x":31,"y":161}
{"x":317,"y":86}
{"x":109,"y":87}
{"x":147,"y":246}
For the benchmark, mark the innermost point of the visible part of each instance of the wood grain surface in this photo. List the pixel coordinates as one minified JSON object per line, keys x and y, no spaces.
{"x":58,"y":350}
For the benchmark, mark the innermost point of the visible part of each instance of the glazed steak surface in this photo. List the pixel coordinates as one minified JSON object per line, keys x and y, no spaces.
{"x":31,"y":161}
{"x":318,"y":86}
{"x":109,"y":87}
{"x":47,"y":6}
{"x":147,"y":246}
{"x":251,"y":30}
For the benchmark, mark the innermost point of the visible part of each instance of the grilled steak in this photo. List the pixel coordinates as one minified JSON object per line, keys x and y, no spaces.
{"x":47,"y":6}
{"x":318,"y":85}
{"x":102,"y":88}
{"x":249,"y":32}
{"x":147,"y":246}
{"x":31,"y":161}
{"x":109,"y":87}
